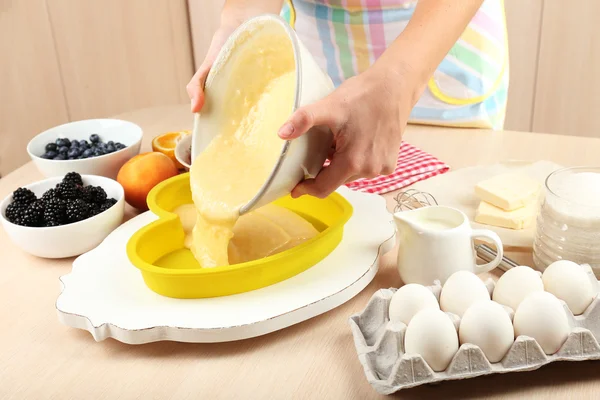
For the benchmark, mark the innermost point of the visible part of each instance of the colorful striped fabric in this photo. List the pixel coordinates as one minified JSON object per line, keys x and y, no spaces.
{"x":468,"y":89}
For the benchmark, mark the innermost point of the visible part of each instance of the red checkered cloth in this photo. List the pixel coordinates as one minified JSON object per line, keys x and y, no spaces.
{"x":413,"y":165}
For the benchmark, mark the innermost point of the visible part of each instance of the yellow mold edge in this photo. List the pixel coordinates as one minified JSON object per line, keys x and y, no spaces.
{"x":165,"y":235}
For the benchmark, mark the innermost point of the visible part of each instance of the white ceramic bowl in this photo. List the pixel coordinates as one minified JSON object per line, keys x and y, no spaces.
{"x":107,"y":165}
{"x":72,"y":239}
{"x":299,"y":158}
{"x":183,"y":151}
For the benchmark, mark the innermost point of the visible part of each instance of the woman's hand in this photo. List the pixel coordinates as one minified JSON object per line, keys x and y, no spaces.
{"x":195,"y":87}
{"x":234,"y":13}
{"x":367,"y":115}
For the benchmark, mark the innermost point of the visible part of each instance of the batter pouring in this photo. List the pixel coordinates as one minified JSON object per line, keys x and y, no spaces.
{"x":230,"y":171}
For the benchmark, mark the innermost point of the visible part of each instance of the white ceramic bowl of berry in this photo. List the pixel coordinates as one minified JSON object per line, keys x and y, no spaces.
{"x":66,"y":238}
{"x":110,"y":143}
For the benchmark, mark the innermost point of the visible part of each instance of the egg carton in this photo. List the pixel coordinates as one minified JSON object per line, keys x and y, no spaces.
{"x":380,"y":346}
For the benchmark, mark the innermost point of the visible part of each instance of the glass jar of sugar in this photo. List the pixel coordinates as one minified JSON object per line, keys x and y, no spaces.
{"x":568,"y":222}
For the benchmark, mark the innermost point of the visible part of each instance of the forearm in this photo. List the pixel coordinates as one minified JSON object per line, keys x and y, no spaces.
{"x":237,"y":11}
{"x":432,"y":31}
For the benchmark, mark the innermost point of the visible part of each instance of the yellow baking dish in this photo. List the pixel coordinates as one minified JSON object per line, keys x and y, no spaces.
{"x":170,"y":269}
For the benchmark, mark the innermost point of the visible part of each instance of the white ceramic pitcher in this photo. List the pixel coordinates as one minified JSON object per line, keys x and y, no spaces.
{"x":435,"y":242}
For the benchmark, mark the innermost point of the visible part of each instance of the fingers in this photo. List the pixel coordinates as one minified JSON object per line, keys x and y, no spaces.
{"x":327,"y":181}
{"x":195,"y":88}
{"x":320,"y":113}
{"x":342,"y":170}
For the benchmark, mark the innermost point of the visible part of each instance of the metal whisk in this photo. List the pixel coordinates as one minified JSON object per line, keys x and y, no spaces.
{"x":412,"y":198}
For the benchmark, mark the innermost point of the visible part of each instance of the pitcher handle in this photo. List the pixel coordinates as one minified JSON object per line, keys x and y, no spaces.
{"x":487,"y":234}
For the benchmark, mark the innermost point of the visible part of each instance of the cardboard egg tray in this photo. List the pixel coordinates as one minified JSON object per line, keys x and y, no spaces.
{"x":380,"y":346}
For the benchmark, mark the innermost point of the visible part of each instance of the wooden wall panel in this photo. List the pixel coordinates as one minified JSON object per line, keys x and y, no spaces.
{"x":31,"y":93}
{"x":117,"y":55}
{"x":524,"y":20}
{"x":566,"y":98}
{"x":205,"y":17}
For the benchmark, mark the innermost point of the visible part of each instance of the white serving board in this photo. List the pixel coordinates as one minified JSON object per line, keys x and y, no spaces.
{"x":105,"y":294}
{"x":457,"y":189}
{"x":380,"y":346}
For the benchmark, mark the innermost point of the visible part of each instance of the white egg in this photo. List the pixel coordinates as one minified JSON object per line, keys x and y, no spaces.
{"x":462,"y":289}
{"x":432,"y":334}
{"x":487,"y":325}
{"x":569,"y":282}
{"x":515,"y":285}
{"x":542,"y":316}
{"x":409,"y":300}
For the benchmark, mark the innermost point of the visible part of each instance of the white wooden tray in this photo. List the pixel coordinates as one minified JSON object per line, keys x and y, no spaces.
{"x":105,"y":294}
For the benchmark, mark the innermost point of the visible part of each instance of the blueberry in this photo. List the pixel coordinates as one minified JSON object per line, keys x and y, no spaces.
{"x":94,"y":138}
{"x":45,"y":156}
{"x":63,"y":142}
{"x":102,"y":145}
{"x":98,"y":152}
{"x":84,"y":143}
{"x":119,"y":146}
{"x":51,"y":147}
{"x":110,"y":143}
{"x":51,"y":154}
{"x":111,"y":148}
{"x":63,"y":150}
{"x":74,"y":143}
{"x":60,"y":156}
{"x":87,"y":153}
{"x":74,"y":152}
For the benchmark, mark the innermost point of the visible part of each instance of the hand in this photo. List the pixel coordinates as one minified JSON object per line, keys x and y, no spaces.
{"x":195,"y":87}
{"x":367,"y":115}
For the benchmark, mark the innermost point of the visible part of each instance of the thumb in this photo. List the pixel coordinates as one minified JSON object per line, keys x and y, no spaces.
{"x":304,"y":118}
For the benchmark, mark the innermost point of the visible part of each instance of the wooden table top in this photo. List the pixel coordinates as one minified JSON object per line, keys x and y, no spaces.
{"x":42,"y":359}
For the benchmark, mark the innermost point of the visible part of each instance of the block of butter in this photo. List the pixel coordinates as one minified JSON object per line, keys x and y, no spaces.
{"x":520,"y":218}
{"x":508,"y":191}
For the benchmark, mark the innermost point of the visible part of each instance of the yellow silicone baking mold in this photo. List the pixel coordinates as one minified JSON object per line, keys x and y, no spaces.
{"x":169,"y":269}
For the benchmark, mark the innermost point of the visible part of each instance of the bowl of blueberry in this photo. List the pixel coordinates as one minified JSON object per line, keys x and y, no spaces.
{"x":63,"y":216}
{"x":90,"y":147}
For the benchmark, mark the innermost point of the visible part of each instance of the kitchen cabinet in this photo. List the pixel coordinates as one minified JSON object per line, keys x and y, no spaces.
{"x":65,"y":60}
{"x":567,"y":96}
{"x":31,"y":90}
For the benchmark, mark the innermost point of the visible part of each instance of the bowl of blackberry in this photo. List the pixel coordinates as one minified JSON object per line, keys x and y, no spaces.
{"x":63,"y":216}
{"x":91,"y":147}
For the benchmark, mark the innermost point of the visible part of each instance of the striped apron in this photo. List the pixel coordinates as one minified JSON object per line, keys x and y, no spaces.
{"x":469,"y":87}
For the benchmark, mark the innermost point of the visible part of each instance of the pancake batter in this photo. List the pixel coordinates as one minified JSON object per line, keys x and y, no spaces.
{"x":261,"y":233}
{"x":230,"y":171}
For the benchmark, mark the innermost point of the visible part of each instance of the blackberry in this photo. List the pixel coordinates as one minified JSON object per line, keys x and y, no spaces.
{"x":73,"y":177}
{"x":93,"y":195}
{"x":34,"y":214}
{"x":24,"y":196}
{"x":77,"y":210}
{"x":68,"y":191}
{"x":56,"y":212}
{"x":50,"y":194}
{"x":107,"y":204}
{"x":14,"y":212}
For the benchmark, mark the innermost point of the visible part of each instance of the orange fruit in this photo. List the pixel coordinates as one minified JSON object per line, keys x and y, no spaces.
{"x":166,"y":143}
{"x":141,"y":173}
